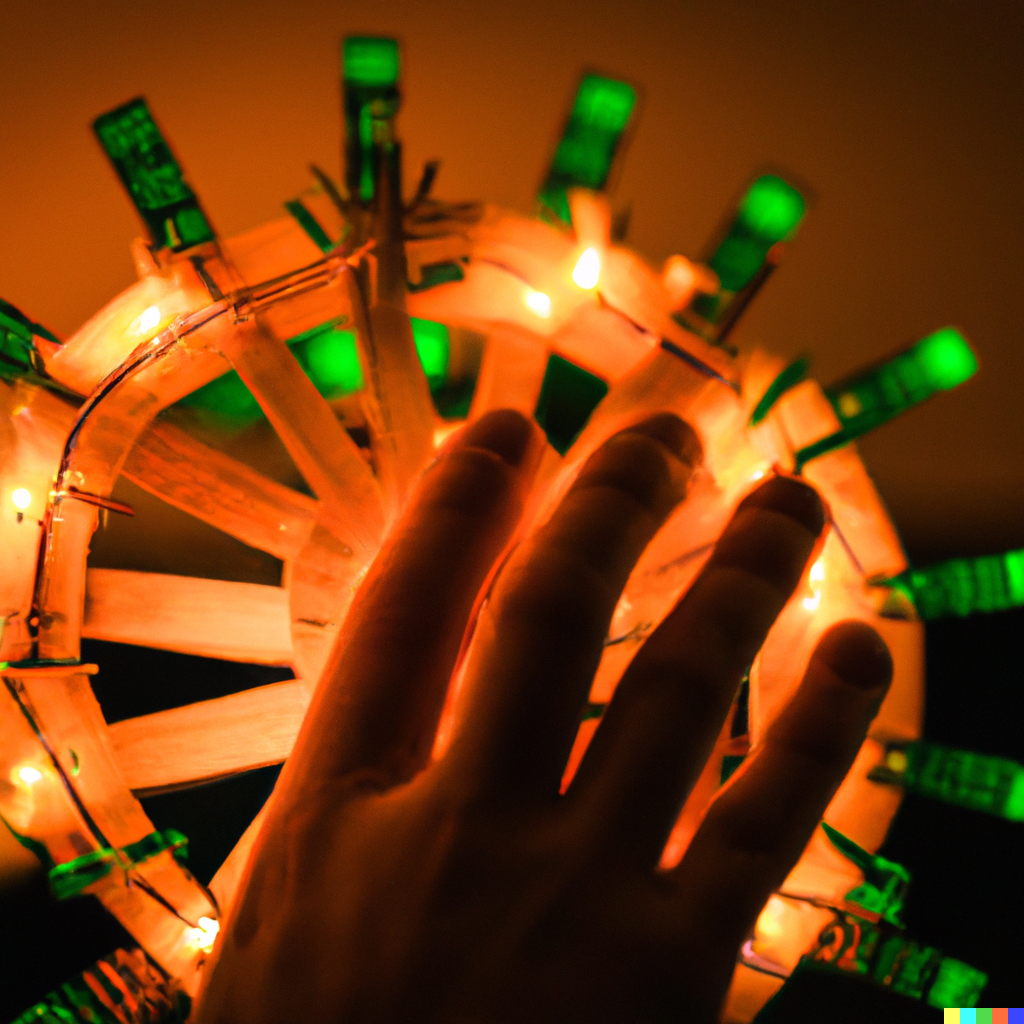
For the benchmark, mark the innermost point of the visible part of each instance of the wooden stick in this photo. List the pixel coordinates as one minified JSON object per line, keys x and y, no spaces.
{"x":201,"y":742}
{"x":221,"y":491}
{"x":212,"y":618}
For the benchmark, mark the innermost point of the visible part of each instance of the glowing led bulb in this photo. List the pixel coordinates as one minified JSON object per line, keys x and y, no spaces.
{"x":816,"y":576}
{"x":204,"y":936}
{"x":149,"y":319}
{"x":588,"y":269}
{"x":22,"y":499}
{"x":539,"y":303}
{"x":28,"y":774}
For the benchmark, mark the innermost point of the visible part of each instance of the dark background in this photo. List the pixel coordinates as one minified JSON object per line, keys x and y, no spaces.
{"x":906,"y":118}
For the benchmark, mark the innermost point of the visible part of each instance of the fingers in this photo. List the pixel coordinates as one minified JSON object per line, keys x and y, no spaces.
{"x":755,"y":831}
{"x":377,"y":705}
{"x":662,"y":722}
{"x":539,"y":639}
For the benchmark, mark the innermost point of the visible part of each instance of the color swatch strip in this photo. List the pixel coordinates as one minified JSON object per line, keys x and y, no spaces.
{"x":984,"y":1015}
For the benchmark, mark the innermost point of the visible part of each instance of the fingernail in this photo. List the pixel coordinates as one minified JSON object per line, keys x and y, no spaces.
{"x":505,"y":432}
{"x":857,"y":654}
{"x":675,"y":434}
{"x":792,"y":498}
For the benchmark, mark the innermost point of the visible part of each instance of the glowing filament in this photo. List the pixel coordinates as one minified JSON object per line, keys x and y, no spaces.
{"x":539,"y":303}
{"x":149,"y":319}
{"x":204,"y":936}
{"x":817,"y":576}
{"x":29,"y":775}
{"x":22,"y":499}
{"x":588,"y":269}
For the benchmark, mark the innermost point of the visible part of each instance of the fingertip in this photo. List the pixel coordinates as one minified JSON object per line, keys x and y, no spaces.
{"x":505,"y":432}
{"x":790,"y":497}
{"x":857,"y":655}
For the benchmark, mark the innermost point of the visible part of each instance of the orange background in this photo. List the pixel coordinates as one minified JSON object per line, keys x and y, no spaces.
{"x":905,"y":117}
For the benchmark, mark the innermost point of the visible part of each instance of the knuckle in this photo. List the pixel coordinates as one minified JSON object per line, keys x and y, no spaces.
{"x":639,"y":467}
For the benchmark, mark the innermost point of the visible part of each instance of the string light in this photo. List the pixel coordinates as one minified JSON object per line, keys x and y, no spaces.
{"x":29,"y":774}
{"x":203,"y":936}
{"x":817,"y":575}
{"x":587,"y":272}
{"x":539,"y":303}
{"x":149,"y":319}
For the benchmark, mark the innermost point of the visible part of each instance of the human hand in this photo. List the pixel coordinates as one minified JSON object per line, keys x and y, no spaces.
{"x":387,"y":888}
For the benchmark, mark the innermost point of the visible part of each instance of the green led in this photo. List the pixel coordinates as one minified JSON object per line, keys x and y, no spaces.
{"x":946,"y":359}
{"x":771,"y":210}
{"x":994,"y":785}
{"x":568,"y":395}
{"x":370,"y":72}
{"x":370,"y":61}
{"x":154,"y":180}
{"x":956,"y":984}
{"x":874,"y":396}
{"x":964,"y":586}
{"x":586,"y":152}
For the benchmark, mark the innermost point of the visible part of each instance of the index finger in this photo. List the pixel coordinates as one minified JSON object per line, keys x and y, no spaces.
{"x":376,"y":709}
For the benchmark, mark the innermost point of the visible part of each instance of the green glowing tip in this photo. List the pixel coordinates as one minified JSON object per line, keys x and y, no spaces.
{"x":965,"y":586}
{"x":993,"y":785}
{"x":874,"y":396}
{"x":370,"y":61}
{"x":956,"y":984}
{"x":146,"y":166}
{"x":769,"y":213}
{"x":604,"y":103}
{"x":946,"y":358}
{"x":586,"y":152}
{"x":772,"y":209}
{"x":1014,"y":806}
{"x":432,"y":347}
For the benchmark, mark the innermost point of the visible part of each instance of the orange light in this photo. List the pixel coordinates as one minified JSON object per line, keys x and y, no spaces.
{"x":204,"y":936}
{"x":149,"y":319}
{"x":587,"y":271}
{"x":539,"y":303}
{"x":22,"y":499}
{"x":817,"y":575}
{"x":29,"y":774}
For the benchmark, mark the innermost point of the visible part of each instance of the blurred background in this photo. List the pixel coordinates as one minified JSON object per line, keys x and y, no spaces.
{"x":904,"y":117}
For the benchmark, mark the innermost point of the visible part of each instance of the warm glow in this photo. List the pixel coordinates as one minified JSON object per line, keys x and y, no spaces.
{"x":22,"y":499}
{"x":758,"y":474}
{"x":149,"y":319}
{"x":539,"y":303}
{"x":29,"y":775}
{"x":205,"y":935}
{"x":817,"y":576}
{"x":770,"y":924}
{"x":588,"y":269}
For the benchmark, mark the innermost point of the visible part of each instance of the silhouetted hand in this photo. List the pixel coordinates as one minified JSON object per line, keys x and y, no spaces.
{"x":387,"y":888}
